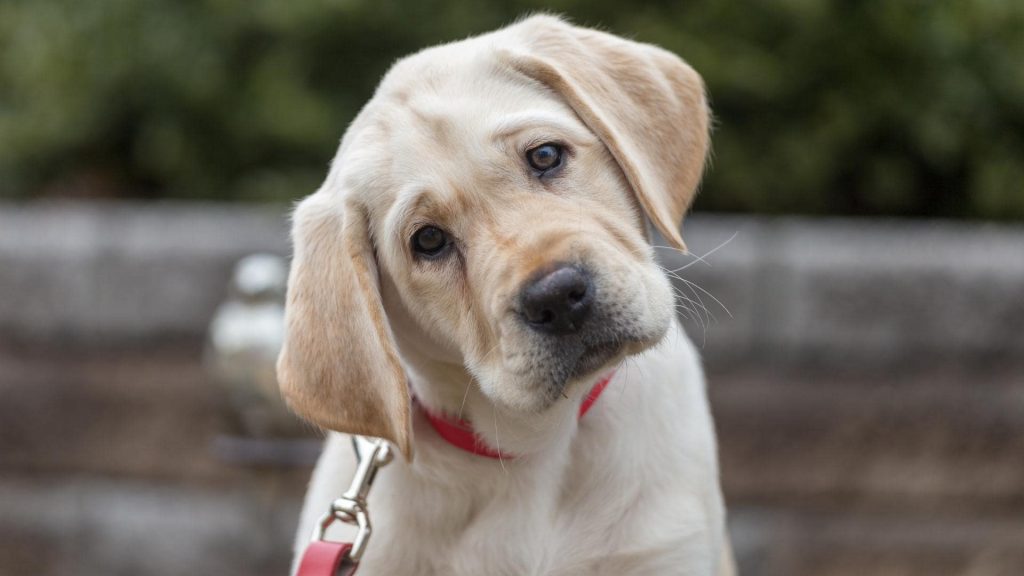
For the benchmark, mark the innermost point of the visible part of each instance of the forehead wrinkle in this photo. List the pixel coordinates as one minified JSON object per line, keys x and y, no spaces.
{"x":423,"y":199}
{"x":434,"y":121}
{"x":512,"y":125}
{"x":407,"y":206}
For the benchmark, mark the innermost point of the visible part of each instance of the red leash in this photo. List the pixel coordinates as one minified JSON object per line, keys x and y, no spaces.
{"x":324,"y":558}
{"x":327,"y":559}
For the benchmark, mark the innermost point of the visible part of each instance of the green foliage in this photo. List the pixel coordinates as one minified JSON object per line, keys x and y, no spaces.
{"x":909,"y":107}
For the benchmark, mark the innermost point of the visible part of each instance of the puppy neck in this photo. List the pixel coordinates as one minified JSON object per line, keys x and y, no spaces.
{"x":448,"y":389}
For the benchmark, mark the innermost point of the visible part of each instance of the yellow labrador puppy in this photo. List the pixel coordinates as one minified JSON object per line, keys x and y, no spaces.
{"x":479,"y":252}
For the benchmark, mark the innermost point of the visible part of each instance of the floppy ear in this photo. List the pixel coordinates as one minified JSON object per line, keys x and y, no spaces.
{"x":338,"y":368}
{"x":644,"y":103}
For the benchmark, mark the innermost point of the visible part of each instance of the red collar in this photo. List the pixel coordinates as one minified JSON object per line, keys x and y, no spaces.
{"x":459,"y":433}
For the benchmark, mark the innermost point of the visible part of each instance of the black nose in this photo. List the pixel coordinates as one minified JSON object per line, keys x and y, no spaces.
{"x":558,"y":302}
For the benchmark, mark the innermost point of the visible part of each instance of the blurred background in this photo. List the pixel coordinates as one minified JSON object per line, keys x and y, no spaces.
{"x":859,"y":304}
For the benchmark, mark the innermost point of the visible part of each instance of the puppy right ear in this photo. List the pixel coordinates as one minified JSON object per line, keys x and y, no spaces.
{"x":646,"y":105}
{"x":338,"y":367}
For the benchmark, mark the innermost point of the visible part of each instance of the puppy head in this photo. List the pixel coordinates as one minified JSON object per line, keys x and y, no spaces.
{"x":486,"y":209}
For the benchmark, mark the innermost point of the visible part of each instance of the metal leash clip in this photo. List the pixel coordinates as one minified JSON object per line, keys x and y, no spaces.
{"x":372,"y":454}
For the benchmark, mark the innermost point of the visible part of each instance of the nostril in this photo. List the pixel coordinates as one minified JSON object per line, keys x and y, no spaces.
{"x":577,"y":295}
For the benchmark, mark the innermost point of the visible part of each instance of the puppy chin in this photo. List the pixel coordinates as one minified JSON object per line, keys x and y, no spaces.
{"x":515,"y":393}
{"x":535,"y":394}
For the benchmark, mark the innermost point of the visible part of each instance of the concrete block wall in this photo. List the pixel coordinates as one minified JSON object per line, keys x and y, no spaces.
{"x":826,"y":473}
{"x":857,"y":292}
{"x":121,"y":272}
{"x":861,"y":292}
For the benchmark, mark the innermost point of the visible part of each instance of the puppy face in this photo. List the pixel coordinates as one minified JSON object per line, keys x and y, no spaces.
{"x":508,"y":233}
{"x":486,"y":209}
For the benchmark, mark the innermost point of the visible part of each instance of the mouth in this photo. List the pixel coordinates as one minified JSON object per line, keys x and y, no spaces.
{"x":595,"y":357}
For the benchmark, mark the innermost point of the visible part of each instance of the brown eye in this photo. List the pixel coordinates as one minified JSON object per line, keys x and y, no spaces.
{"x":545,"y":157}
{"x":430,"y":241}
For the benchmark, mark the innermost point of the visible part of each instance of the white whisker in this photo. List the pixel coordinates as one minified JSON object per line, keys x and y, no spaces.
{"x":688,"y":301}
{"x":697,"y":258}
{"x":497,"y":441}
{"x":464,"y":396}
{"x":712,"y":296}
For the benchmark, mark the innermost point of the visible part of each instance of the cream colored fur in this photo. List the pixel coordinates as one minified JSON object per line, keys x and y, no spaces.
{"x":632,"y":488}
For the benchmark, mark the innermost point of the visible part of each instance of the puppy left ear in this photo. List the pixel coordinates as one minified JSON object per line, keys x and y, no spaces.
{"x":646,"y":105}
{"x":338,"y":367}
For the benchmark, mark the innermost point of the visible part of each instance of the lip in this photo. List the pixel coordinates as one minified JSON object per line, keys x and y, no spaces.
{"x":595,"y":357}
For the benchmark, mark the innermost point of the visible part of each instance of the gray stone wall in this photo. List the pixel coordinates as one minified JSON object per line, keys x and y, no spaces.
{"x":785,"y":289}
{"x":109,"y":460}
{"x":123,"y":272}
{"x":872,"y":292}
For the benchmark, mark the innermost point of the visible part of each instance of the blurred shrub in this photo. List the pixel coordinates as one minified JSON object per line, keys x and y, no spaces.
{"x":911,"y":107}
